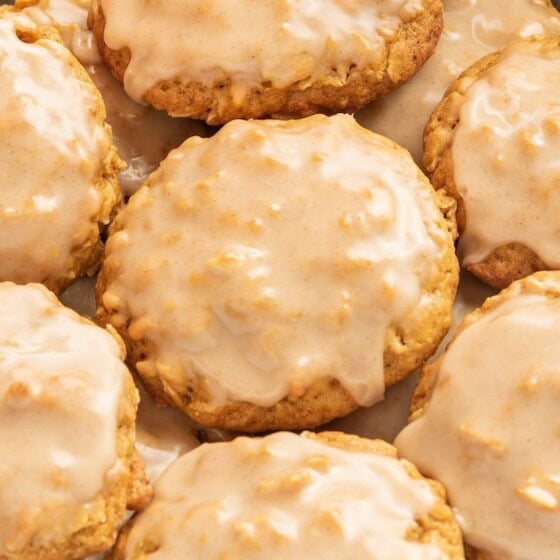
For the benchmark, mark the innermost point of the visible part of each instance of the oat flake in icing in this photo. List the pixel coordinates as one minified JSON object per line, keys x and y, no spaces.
{"x":472,"y":29}
{"x":271,"y":256}
{"x":282,"y":41}
{"x":61,"y":381}
{"x":53,"y":146}
{"x":504,"y":152}
{"x":491,"y":431}
{"x":280,"y":497}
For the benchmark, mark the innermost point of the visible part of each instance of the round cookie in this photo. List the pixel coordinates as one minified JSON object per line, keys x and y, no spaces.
{"x":280,"y":273}
{"x":289,"y":59}
{"x":58,"y":163}
{"x":491,"y":145}
{"x":69,"y":467}
{"x":484,"y":422}
{"x":280,"y":497}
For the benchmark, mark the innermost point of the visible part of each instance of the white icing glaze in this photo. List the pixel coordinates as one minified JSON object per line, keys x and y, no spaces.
{"x":61,"y":381}
{"x":490,"y":432}
{"x":142,"y":135}
{"x":472,"y":29}
{"x":52,"y":148}
{"x":284,"y":496}
{"x":284,"y":42}
{"x":300,"y":244}
{"x":503,"y":151}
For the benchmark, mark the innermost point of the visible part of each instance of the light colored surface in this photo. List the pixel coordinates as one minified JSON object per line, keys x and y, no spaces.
{"x":287,"y":501}
{"x":472,"y":29}
{"x":509,"y":127}
{"x":48,"y":140}
{"x":283,"y":42}
{"x":302,"y":275}
{"x":490,"y":432}
{"x":61,"y":381}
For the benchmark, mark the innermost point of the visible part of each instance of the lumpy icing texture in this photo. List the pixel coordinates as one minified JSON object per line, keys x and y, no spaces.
{"x":273,"y":255}
{"x":502,"y":151}
{"x":61,"y":382}
{"x":283,"y":496}
{"x":490,"y":431}
{"x":53,"y":149}
{"x":472,"y":29}
{"x":284,"y":42}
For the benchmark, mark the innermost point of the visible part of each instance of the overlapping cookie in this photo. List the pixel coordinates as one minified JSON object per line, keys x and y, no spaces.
{"x":484,"y":423}
{"x":58,"y":163}
{"x":491,"y":144}
{"x":67,"y":410}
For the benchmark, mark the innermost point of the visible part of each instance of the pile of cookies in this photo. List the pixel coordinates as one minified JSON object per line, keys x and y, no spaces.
{"x":278,"y":273}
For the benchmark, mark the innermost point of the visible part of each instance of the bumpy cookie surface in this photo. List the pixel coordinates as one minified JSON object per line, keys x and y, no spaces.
{"x":209,"y":60}
{"x":58,"y":165}
{"x":280,"y":273}
{"x":491,"y":144}
{"x":280,"y":497}
{"x":67,"y":411}
{"x":484,"y":422}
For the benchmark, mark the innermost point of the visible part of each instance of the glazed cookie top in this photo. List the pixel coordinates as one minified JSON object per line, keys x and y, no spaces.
{"x":272,"y":255}
{"x":503,"y":151}
{"x":284,"y":42}
{"x":54,"y":149}
{"x":490,"y":429}
{"x":61,"y":381}
{"x":292,"y":496}
{"x":472,"y":29}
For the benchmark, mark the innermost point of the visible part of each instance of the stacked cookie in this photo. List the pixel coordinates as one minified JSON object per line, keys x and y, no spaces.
{"x":277,"y":275}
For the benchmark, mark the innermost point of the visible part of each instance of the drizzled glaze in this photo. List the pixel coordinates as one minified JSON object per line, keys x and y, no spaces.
{"x":53,"y":147}
{"x":286,"y":250}
{"x":61,"y":381}
{"x":490,"y":432}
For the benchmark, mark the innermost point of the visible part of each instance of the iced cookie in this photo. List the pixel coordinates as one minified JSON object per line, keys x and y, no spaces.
{"x":471,"y":30}
{"x":57,"y":161}
{"x":491,"y":144}
{"x":280,"y":273}
{"x":329,"y":496}
{"x":67,"y":410}
{"x":485,"y":423}
{"x":211,"y":61}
